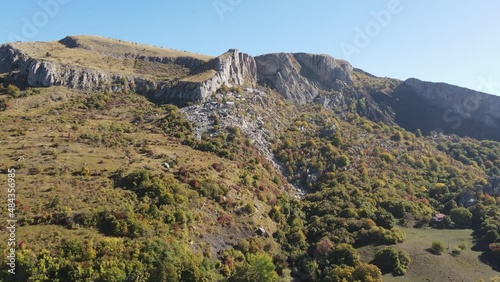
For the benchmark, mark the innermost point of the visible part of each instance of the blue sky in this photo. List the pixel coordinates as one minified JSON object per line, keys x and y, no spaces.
{"x":447,"y":41}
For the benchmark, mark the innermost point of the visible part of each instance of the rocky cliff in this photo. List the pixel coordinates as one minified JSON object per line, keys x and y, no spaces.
{"x":448,"y":108}
{"x":301,"y":77}
{"x":204,"y":78}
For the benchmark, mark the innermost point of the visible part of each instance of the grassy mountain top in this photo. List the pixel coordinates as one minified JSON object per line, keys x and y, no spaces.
{"x":102,"y":45}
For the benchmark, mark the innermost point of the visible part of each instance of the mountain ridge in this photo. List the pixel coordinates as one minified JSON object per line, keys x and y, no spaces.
{"x":180,"y":77}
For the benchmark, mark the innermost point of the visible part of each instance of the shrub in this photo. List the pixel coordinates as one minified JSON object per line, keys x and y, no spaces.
{"x":437,"y":247}
{"x":259,"y":267}
{"x":398,"y":136}
{"x":237,"y":89}
{"x":456,"y":251}
{"x":390,"y":260}
{"x":4,"y":105}
{"x":367,"y":272}
{"x":404,"y":262}
{"x":248,"y":208}
{"x":13,"y":91}
{"x":461,"y":216}
{"x":223,"y":89}
{"x":344,"y":254}
{"x":462,"y":246}
{"x":343,"y":161}
{"x":384,"y":219}
{"x":388,"y":158}
{"x":97,"y":101}
{"x":387,"y":259}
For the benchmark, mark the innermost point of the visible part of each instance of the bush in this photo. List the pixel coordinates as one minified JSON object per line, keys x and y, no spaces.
{"x":248,"y":208}
{"x":367,"y":272}
{"x":389,"y":260}
{"x":344,"y":254}
{"x":13,"y":91}
{"x":461,"y":216}
{"x":4,"y":105}
{"x":97,"y":101}
{"x":343,"y":161}
{"x":437,"y":247}
{"x":398,"y":136}
{"x":237,"y":89}
{"x":462,"y":246}
{"x":388,"y":158}
{"x":223,"y":89}
{"x":259,"y":267}
{"x":456,"y":251}
{"x":386,"y":259}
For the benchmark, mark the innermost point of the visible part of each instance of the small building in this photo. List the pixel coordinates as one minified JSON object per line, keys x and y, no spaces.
{"x":438,"y":221}
{"x":438,"y":217}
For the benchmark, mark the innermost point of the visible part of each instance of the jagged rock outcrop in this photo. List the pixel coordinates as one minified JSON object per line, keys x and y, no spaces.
{"x":39,"y":72}
{"x":301,"y":77}
{"x":230,"y":68}
{"x":448,"y":108}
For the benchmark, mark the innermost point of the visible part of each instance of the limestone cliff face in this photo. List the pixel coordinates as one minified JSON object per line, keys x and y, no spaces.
{"x":230,"y":68}
{"x":448,"y":108}
{"x":300,"y":77}
{"x":38,"y":72}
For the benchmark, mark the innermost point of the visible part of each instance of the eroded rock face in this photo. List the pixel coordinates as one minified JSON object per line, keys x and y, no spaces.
{"x":448,"y":108}
{"x":235,"y":67}
{"x":38,"y":72}
{"x":300,"y":77}
{"x":230,"y":68}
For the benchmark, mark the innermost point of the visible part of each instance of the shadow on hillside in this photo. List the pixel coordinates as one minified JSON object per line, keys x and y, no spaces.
{"x":490,"y":260}
{"x":431,"y":251}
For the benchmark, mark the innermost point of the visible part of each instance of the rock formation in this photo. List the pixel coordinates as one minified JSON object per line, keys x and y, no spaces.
{"x":300,"y":77}
{"x":448,"y":108}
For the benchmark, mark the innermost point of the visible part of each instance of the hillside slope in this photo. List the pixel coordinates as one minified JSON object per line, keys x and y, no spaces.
{"x":278,"y":167}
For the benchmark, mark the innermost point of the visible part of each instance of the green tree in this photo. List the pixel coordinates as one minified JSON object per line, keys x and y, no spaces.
{"x":461,"y":216}
{"x":259,"y":267}
{"x":398,"y":136}
{"x":344,"y":254}
{"x":367,"y":273}
{"x":387,"y":259}
{"x":112,"y":270}
{"x":343,"y":161}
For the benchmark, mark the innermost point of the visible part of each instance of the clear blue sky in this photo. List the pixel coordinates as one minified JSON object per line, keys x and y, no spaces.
{"x":457,"y":42}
